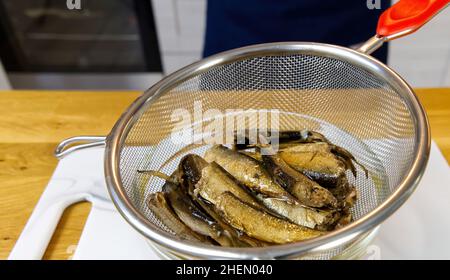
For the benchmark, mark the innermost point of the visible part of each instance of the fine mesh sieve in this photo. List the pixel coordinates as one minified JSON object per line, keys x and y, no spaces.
{"x":353,"y":99}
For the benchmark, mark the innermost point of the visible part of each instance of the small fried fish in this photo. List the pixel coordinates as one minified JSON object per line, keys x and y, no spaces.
{"x":215,"y":181}
{"x":308,"y":192}
{"x":261,"y":225}
{"x":194,"y":217}
{"x":161,"y":209}
{"x":248,"y":171}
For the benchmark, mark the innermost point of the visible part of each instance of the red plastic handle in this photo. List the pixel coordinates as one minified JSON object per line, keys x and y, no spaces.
{"x":407,"y":16}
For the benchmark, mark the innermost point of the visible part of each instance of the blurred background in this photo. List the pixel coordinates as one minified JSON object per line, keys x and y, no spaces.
{"x":131,"y":44}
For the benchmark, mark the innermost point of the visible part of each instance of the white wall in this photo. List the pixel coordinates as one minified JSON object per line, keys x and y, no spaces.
{"x":180,"y":28}
{"x":423,"y":58}
{"x":4,"y":83}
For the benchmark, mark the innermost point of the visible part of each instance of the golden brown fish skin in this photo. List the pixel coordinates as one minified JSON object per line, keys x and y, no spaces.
{"x":299,"y":214}
{"x":324,"y":147}
{"x":215,"y":181}
{"x":328,"y":175}
{"x":306,"y":147}
{"x":318,"y":142}
{"x":262,"y":226}
{"x":346,"y":218}
{"x":346,"y":194}
{"x":239,"y":238}
{"x":194,"y":217}
{"x":308,"y":192}
{"x":315,"y":156}
{"x":323,"y":167}
{"x":248,"y":171}
{"x":161,"y":209}
{"x":254,"y":155}
{"x":190,"y":171}
{"x":287,"y":139}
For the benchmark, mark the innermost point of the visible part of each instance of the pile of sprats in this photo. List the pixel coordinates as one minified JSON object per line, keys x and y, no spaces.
{"x":241,"y":197}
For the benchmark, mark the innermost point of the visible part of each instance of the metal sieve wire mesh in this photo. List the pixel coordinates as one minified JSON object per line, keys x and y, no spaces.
{"x":349,"y":105}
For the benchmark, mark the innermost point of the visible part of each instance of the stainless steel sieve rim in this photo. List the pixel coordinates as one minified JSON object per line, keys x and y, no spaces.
{"x":331,"y":240}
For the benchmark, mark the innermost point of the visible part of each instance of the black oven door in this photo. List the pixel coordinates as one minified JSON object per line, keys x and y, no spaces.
{"x":78,"y":36}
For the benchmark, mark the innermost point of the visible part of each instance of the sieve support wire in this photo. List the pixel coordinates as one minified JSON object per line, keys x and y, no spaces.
{"x":76,"y":143}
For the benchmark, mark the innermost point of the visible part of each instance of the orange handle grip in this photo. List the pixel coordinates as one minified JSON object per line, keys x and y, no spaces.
{"x":407,"y":16}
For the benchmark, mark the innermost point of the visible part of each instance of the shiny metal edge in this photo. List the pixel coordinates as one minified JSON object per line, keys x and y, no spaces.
{"x":355,"y":250}
{"x":293,"y":250}
{"x":371,"y":45}
{"x":64,"y":148}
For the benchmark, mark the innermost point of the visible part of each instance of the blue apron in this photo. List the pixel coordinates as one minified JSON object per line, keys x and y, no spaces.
{"x":236,"y":23}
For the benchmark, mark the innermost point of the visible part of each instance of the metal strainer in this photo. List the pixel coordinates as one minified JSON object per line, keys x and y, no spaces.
{"x":350,"y":97}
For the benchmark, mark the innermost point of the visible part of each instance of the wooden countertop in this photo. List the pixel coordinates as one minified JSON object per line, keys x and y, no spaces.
{"x":32,"y":123}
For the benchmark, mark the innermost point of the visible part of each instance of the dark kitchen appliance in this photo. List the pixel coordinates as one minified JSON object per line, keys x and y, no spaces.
{"x":103,"y":36}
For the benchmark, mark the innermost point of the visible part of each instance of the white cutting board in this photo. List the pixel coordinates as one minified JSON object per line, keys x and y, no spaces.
{"x":419,"y":230}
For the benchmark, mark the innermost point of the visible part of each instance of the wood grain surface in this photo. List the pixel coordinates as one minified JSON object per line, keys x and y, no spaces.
{"x":32,"y":123}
